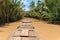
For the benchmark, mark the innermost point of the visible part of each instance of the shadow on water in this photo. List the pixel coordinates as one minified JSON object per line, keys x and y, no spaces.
{"x":4,"y":24}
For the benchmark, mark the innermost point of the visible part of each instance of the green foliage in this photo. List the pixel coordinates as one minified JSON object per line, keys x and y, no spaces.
{"x":10,"y":11}
{"x":32,"y":5}
{"x":35,"y":10}
{"x":48,"y":10}
{"x":54,"y":8}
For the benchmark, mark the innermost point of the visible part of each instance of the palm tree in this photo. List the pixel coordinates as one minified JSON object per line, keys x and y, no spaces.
{"x":10,"y":10}
{"x":54,"y":8}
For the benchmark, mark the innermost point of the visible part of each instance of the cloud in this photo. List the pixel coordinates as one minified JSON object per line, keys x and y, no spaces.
{"x":25,"y":2}
{"x":26,"y":9}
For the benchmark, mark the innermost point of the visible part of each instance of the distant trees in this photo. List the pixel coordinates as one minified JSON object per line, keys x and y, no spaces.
{"x":12,"y":10}
{"x":32,"y":5}
{"x":48,"y":10}
{"x":54,"y":10}
{"x":36,"y":9}
{"x":33,"y":10}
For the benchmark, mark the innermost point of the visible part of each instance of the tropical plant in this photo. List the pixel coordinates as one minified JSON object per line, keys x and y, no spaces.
{"x":54,"y":8}
{"x":11,"y":10}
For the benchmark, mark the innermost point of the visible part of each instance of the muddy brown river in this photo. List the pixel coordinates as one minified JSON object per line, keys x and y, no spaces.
{"x":45,"y":31}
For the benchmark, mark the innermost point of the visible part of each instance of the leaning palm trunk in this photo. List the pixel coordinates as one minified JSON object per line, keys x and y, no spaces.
{"x":3,"y":14}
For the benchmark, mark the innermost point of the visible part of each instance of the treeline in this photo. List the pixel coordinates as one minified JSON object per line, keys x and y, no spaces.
{"x":10,"y":11}
{"x":49,"y":10}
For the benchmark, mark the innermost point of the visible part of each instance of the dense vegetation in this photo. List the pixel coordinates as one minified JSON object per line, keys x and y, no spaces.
{"x":10,"y":10}
{"x":49,"y":10}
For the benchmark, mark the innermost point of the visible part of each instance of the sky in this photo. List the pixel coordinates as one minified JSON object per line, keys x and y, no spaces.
{"x":27,"y":3}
